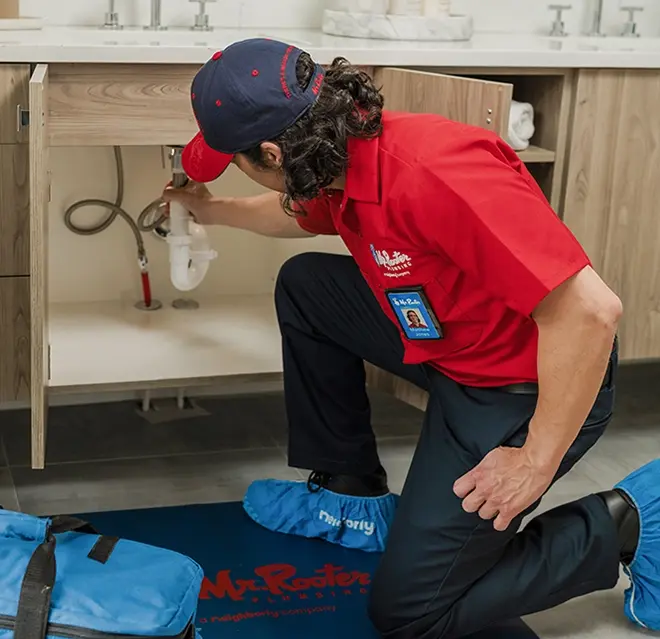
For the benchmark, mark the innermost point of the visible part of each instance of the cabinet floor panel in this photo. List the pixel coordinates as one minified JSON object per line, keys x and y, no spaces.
{"x":101,"y":343}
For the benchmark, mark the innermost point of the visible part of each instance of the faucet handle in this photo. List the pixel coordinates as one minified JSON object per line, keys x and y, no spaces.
{"x":202,"y":22}
{"x":558,"y":27}
{"x":630,"y":27}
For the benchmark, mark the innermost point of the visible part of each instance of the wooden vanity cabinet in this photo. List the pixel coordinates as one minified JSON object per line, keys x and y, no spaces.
{"x":14,"y":338}
{"x":14,"y":210}
{"x":14,"y":100}
{"x":605,"y":130}
{"x":613,"y":194}
{"x":104,"y":105}
{"x":14,"y":235}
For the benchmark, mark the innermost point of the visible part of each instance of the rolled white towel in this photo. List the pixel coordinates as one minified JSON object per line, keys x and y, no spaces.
{"x":521,"y":125}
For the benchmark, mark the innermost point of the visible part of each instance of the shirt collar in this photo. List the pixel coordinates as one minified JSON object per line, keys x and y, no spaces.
{"x":363,"y":175}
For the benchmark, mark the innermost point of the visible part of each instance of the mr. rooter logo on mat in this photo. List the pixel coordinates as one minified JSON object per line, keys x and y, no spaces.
{"x":280,"y":583}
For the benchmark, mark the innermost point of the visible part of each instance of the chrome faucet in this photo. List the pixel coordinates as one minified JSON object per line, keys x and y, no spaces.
{"x":595,"y":18}
{"x":202,"y":21}
{"x":630,"y":27}
{"x":112,"y":17}
{"x":156,"y":16}
{"x":558,"y":27}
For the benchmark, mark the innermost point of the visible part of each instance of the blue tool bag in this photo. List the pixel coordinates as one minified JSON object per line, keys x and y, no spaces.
{"x":60,"y":579}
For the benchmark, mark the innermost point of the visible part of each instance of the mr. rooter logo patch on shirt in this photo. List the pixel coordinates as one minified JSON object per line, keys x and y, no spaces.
{"x":393,"y":264}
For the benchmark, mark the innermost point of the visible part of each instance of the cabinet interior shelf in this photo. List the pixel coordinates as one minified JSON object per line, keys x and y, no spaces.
{"x":537,"y":155}
{"x":110,"y":343}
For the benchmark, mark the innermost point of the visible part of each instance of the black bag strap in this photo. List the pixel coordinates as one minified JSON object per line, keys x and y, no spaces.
{"x":36,"y":592}
{"x":101,"y":550}
{"x":39,"y":580}
{"x":64,"y":524}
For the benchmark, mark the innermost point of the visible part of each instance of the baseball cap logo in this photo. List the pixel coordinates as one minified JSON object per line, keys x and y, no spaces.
{"x":283,"y":80}
{"x":318,"y":82}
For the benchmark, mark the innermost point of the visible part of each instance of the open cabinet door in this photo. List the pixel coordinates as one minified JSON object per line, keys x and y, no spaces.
{"x":466,"y":100}
{"x":39,"y":199}
{"x":477,"y":102}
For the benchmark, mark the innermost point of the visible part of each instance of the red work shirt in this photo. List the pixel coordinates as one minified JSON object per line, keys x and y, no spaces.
{"x":451,"y":208}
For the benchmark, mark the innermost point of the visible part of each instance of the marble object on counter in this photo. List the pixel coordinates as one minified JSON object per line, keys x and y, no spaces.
{"x":440,"y":28}
{"x":360,"y":6}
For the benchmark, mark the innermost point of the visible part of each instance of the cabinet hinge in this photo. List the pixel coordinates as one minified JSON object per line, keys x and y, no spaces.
{"x":50,"y":187}
{"x":49,"y":360}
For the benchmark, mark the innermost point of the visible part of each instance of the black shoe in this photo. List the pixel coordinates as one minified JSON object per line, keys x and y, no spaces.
{"x":626,"y":518}
{"x":373,"y":485}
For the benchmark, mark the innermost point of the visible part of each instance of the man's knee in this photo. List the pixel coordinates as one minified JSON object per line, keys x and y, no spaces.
{"x":295,"y":270}
{"x":307,"y":278}
{"x":392,"y":625}
{"x":385,"y":615}
{"x":299,"y":272}
{"x":299,"y":286}
{"x":293,"y":279}
{"x":397,"y":613}
{"x":380,"y":615}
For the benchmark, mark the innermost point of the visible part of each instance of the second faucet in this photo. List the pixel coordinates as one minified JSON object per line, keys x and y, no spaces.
{"x":156,"y":23}
{"x":594,"y":18}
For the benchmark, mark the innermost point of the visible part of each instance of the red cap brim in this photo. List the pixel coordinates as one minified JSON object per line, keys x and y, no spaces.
{"x":201,"y":163}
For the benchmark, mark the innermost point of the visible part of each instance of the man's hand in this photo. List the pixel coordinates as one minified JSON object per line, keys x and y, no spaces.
{"x":195,"y":197}
{"x":503,"y":485}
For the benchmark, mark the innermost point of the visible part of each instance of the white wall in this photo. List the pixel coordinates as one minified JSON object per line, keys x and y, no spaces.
{"x":526,"y":16}
{"x":533,"y":16}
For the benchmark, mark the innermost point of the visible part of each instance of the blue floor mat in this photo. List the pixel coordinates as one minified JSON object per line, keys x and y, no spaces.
{"x":264,"y":585}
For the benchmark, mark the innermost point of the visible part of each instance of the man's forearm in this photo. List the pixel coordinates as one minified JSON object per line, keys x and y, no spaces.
{"x":575,"y":344}
{"x":262,"y":214}
{"x":571,"y":367}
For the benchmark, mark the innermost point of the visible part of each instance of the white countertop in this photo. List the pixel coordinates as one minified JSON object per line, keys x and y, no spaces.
{"x":178,"y":46}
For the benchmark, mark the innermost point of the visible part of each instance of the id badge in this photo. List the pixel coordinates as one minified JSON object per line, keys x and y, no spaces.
{"x":414,"y":313}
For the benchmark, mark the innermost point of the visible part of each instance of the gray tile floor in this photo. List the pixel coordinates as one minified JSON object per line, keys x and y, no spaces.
{"x":120,"y":461}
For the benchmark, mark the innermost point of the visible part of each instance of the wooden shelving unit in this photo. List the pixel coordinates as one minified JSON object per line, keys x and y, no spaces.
{"x":537,"y":155}
{"x":550,"y":92}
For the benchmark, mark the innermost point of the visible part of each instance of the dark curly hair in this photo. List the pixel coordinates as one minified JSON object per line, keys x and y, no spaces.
{"x":314,"y":149}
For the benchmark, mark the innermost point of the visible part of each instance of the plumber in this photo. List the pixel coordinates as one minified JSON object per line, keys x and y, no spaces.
{"x":517,"y":352}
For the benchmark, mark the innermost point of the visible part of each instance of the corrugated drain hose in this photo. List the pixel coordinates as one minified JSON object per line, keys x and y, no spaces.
{"x":115,"y":210}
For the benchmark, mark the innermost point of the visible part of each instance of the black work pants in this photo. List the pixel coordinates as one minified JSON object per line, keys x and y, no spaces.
{"x":446,"y":573}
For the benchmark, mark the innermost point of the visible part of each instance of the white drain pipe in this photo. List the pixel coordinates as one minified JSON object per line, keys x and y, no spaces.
{"x":190,"y":251}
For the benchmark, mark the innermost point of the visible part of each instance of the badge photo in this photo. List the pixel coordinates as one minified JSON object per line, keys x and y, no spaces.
{"x":414,"y":314}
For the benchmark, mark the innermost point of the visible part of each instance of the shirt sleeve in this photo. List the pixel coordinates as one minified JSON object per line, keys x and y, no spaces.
{"x":493,"y":222}
{"x":315,"y":216}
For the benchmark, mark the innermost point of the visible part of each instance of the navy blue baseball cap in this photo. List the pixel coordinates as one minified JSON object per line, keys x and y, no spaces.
{"x":243,"y":96}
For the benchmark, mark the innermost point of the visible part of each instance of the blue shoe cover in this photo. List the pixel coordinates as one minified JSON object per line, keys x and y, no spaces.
{"x":360,"y":523}
{"x":642,"y":603}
